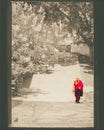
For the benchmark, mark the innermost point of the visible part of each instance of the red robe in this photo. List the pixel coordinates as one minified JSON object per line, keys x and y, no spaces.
{"x":78,"y":89}
{"x":78,"y":85}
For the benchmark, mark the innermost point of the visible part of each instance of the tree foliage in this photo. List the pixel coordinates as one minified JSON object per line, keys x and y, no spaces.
{"x":77,"y":17}
{"x":39,"y":27}
{"x":33,"y":41}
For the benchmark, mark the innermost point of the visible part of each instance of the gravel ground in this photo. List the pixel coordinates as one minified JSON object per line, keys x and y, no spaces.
{"x":66,"y":113}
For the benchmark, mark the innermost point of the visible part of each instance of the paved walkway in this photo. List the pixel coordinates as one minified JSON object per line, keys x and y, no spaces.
{"x":51,"y":103}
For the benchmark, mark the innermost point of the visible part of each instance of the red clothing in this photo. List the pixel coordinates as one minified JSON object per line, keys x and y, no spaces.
{"x":77,"y":98}
{"x":78,"y":87}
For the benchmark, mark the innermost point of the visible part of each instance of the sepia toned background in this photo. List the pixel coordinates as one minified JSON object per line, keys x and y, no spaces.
{"x":52,"y":44}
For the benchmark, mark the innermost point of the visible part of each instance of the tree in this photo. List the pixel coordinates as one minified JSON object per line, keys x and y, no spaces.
{"x":75,"y":17}
{"x":32,"y":37}
{"x":44,"y":24}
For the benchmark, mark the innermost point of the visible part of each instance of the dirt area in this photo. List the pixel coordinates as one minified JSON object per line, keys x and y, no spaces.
{"x":50,"y":102}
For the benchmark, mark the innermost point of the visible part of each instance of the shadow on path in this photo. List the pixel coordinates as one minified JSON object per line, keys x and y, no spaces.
{"x":88,"y":68}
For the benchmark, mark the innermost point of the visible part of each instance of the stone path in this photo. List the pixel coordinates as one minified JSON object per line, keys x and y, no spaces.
{"x":53,"y":105}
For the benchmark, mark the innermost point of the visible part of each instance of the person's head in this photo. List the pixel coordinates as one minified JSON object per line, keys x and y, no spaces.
{"x":77,"y":79}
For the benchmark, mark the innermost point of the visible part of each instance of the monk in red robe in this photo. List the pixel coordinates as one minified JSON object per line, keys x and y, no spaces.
{"x":78,"y":89}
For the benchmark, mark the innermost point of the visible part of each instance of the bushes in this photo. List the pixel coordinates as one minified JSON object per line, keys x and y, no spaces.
{"x":66,"y":58}
{"x":84,"y":59}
